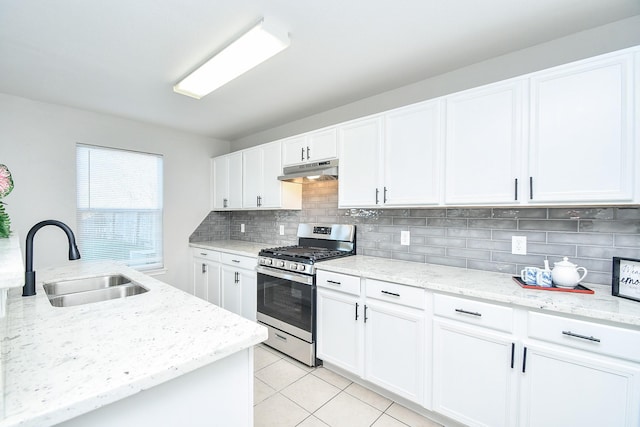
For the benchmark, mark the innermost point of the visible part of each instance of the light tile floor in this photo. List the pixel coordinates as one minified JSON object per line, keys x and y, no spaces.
{"x":288,"y":393}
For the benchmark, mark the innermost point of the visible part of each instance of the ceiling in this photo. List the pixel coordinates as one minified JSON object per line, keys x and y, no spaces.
{"x":123,"y":57}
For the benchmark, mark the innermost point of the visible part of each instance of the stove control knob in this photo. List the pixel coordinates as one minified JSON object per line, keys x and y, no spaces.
{"x":301,"y":267}
{"x":281,"y":264}
{"x":269,"y":262}
{"x":293,"y":266}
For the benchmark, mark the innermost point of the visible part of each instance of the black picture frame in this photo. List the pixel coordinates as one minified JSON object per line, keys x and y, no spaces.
{"x":625,"y":281}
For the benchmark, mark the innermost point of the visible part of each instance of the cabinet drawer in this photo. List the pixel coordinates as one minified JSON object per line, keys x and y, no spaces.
{"x":395,"y":293}
{"x":338,"y":282}
{"x":206,"y":254}
{"x":475,"y":312}
{"x":248,"y":263}
{"x":595,"y":337}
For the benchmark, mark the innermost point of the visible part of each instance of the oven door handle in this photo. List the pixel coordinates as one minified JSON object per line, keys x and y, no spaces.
{"x":299,"y":278}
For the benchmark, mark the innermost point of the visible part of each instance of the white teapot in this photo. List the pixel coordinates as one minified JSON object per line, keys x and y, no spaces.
{"x":566,"y":274}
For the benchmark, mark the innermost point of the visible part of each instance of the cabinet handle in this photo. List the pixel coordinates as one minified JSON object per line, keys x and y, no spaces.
{"x":203,"y":253}
{"x":357,"y":305}
{"x":302,"y":153}
{"x":384,"y":195}
{"x":473,"y":313}
{"x":283,"y":338}
{"x":235,"y":260}
{"x":390,"y":293}
{"x":516,"y":189}
{"x":204,"y":268}
{"x":531,"y":187}
{"x":308,"y":151}
{"x":377,"y":191}
{"x":513,"y":353}
{"x":333,"y":282}
{"x":584,"y":337}
{"x":524,"y":360}
{"x":236,"y":277}
{"x":365,"y":313}
{"x":224,"y":203}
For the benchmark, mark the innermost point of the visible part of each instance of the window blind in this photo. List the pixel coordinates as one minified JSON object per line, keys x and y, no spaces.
{"x":119,"y":206}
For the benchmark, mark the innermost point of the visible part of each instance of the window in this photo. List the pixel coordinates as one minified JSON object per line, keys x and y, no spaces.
{"x":119,"y":206}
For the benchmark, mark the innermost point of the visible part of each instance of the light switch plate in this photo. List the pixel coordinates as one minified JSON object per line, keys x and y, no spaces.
{"x":282,"y":230}
{"x":242,"y":228}
{"x":405,"y":237}
{"x":519,"y":245}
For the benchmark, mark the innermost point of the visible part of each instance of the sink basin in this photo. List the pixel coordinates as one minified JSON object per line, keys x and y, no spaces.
{"x":86,"y":284}
{"x":88,"y":297}
{"x":68,"y":293}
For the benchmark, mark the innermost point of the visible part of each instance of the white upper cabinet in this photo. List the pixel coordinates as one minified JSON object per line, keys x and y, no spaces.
{"x":484,"y":144}
{"x":582,"y":147}
{"x":359,"y":170}
{"x":392,"y":159}
{"x":412,"y":155}
{"x":310,"y":147}
{"x":261,"y":167}
{"x":227,"y":181}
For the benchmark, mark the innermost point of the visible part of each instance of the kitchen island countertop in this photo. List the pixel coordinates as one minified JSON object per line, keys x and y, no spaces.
{"x":498,"y":287}
{"x":63,"y":362}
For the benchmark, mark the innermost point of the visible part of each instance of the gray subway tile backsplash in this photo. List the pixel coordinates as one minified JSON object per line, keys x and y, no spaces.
{"x":475,"y":238}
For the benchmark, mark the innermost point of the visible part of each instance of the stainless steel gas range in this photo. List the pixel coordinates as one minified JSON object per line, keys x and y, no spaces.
{"x":287,"y":286}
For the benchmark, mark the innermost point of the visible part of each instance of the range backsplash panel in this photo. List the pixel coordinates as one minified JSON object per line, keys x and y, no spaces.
{"x":475,"y":238}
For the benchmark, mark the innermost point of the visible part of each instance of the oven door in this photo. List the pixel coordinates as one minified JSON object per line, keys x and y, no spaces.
{"x":286,"y":301}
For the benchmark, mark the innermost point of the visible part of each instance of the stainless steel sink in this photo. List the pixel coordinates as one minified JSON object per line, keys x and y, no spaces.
{"x":68,"y":293}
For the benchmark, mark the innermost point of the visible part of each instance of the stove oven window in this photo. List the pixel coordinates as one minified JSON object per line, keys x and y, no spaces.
{"x":287,"y":301}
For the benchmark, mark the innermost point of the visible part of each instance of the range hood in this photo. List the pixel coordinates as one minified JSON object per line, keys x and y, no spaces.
{"x":311,"y":172}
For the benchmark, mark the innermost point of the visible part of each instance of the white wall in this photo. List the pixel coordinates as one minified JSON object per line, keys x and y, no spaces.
{"x":37,"y":143}
{"x":599,"y":40}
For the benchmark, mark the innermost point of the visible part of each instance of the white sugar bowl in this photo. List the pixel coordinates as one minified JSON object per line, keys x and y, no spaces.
{"x":566,"y":274}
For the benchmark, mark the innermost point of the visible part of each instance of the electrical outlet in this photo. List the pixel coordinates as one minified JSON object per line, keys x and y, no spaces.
{"x":242,"y":228}
{"x":519,"y":245}
{"x":405,"y":238}
{"x":282,"y":230}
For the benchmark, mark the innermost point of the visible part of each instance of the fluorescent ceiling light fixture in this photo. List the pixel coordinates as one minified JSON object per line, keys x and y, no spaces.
{"x":252,"y":48}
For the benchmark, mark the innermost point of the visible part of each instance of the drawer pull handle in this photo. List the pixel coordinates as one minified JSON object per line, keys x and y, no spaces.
{"x":390,"y":293}
{"x":235,"y":260}
{"x":473,"y":313}
{"x":584,"y":337}
{"x":281,"y":337}
{"x":203,"y":253}
{"x":333,"y":282}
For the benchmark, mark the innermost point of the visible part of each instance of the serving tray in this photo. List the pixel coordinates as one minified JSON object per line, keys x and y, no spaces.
{"x":579,"y":289}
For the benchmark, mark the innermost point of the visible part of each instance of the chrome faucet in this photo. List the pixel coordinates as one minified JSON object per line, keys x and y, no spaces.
{"x":29,"y":287}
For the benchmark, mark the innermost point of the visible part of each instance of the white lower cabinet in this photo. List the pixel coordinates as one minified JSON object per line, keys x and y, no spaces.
{"x":380,"y":340}
{"x":474,"y":366}
{"x":226,"y":280}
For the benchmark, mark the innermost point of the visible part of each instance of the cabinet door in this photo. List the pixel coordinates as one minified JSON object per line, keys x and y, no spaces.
{"x":322,"y":145}
{"x":251,"y":177}
{"x":294,"y":150}
{"x":581,"y":390}
{"x":483,"y":145}
{"x":234,"y":178}
{"x":249,"y":294}
{"x":394,"y":355}
{"x":271,"y":194}
{"x":231,"y":290}
{"x":339,"y":334}
{"x":473,"y":374}
{"x":412,"y":155}
{"x":581,"y":132}
{"x":360,"y":145}
{"x":200,"y":278}
{"x":220,"y":184}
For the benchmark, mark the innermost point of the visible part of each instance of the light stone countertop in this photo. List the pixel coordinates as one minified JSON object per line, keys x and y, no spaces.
{"x":237,"y":247}
{"x":498,"y":287}
{"x":60,"y":362}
